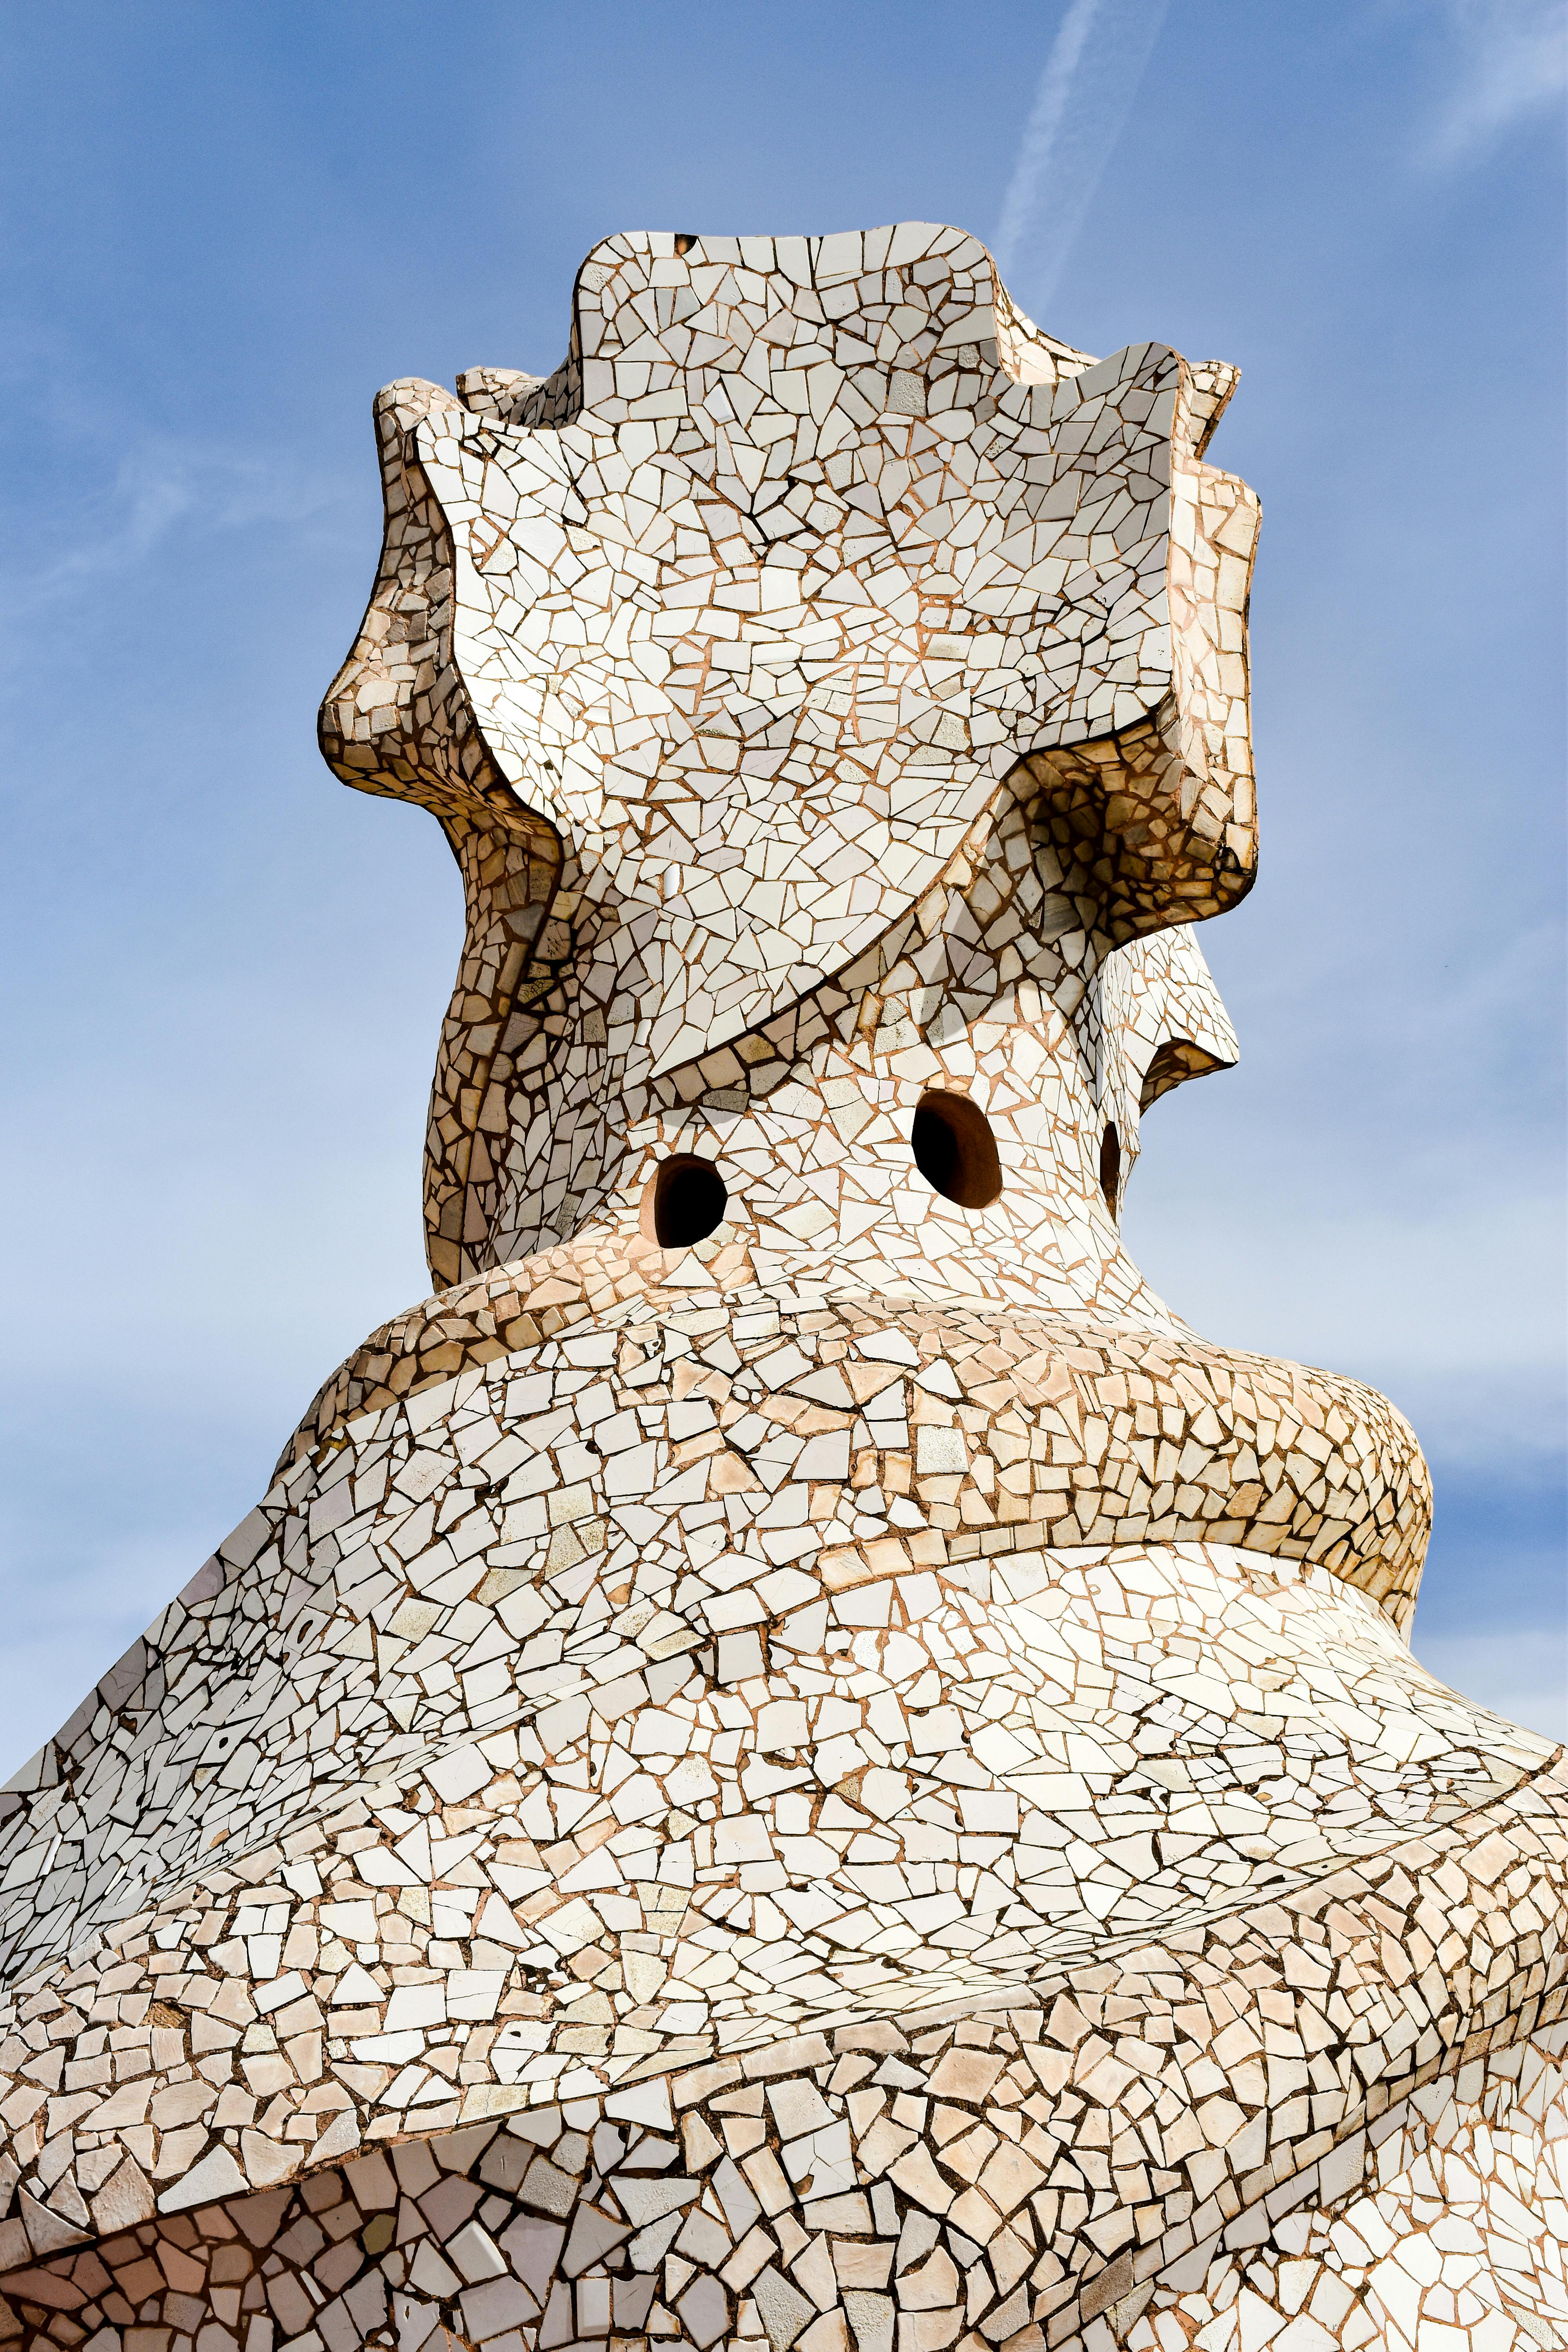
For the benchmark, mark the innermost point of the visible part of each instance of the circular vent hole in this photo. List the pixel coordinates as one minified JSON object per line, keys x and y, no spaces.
{"x":686,"y":1200}
{"x":955,"y":1150}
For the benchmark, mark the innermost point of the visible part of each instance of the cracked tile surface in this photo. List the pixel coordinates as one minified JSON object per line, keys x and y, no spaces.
{"x":792,"y":1758}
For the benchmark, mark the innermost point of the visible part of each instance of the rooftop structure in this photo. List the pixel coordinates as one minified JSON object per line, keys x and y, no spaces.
{"x":791,"y":1756}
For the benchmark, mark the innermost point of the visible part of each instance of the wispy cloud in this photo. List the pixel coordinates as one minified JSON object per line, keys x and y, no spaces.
{"x":1084,"y":95}
{"x":160,"y":486}
{"x":210,"y":488}
{"x":1512,"y":59}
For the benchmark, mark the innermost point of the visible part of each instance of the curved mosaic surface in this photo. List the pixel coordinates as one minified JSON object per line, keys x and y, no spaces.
{"x":792,"y":1758}
{"x":712,"y":653}
{"x":588,"y":1766}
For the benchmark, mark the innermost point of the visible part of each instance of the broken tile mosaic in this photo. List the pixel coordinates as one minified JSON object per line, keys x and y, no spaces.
{"x":792,"y":1758}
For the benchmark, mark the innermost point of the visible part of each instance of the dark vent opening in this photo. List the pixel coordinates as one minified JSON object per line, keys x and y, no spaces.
{"x":688,"y":1201}
{"x":955,"y":1150}
{"x":1110,"y":1167}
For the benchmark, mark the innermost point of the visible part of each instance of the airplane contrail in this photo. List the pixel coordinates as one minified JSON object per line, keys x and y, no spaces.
{"x":1081,"y":102}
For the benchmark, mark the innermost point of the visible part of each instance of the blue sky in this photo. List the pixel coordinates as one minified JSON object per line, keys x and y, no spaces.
{"x":225,"y":227}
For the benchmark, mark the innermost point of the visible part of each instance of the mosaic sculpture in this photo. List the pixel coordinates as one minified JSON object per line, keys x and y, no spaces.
{"x":791,"y":1759}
